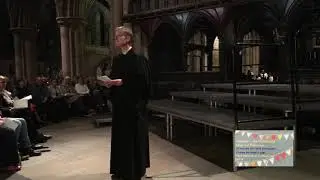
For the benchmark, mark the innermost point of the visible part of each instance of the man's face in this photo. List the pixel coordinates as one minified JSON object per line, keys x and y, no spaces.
{"x":121,"y":39}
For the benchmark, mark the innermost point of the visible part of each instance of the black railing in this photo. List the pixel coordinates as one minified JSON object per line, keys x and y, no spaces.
{"x":236,"y":82}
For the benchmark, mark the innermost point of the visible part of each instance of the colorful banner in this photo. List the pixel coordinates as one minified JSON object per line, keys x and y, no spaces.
{"x":264,"y":148}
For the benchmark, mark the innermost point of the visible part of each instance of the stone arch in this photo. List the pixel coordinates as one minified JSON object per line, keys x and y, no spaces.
{"x":165,"y":49}
{"x":170,"y":20}
{"x":196,"y":20}
{"x":98,"y":29}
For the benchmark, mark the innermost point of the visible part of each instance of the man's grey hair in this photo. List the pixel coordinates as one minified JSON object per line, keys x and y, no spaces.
{"x":125,"y":29}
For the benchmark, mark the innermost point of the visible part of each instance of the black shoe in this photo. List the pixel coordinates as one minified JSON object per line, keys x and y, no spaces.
{"x":29,"y":152}
{"x":42,"y":138}
{"x":46,"y":136}
{"x":39,"y":146}
{"x":33,"y":153}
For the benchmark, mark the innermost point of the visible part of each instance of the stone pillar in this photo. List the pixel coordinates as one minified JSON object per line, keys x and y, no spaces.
{"x":72,"y":51}
{"x":30,"y":58}
{"x":125,"y":6}
{"x":137,"y":38}
{"x":65,"y":46}
{"x":77,"y":52}
{"x":117,"y":13}
{"x":18,"y":56}
{"x":25,"y":52}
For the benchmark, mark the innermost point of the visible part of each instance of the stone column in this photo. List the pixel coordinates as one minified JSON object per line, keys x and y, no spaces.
{"x":125,"y":6}
{"x":25,"y":52}
{"x":18,"y":55}
{"x":117,"y":13}
{"x":72,"y":51}
{"x":76,"y":45}
{"x":137,"y":38}
{"x":30,"y":57}
{"x":77,"y":53}
{"x":65,"y":46}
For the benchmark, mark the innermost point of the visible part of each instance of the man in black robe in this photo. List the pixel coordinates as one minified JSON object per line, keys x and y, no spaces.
{"x":130,"y":91}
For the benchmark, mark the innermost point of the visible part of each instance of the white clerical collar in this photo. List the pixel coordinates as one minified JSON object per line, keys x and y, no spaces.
{"x":125,"y":52}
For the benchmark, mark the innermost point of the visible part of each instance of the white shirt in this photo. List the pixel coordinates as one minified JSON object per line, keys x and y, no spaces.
{"x":7,"y":96}
{"x":125,"y":52}
{"x":82,"y":89}
{"x":270,"y":78}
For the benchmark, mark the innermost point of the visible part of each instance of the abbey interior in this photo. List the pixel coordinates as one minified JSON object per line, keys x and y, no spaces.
{"x":218,"y":66}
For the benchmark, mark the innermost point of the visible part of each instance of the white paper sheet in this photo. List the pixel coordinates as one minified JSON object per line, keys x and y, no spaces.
{"x":22,"y":103}
{"x":103,"y":78}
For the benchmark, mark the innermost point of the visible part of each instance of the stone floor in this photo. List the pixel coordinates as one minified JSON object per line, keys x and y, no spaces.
{"x":81,"y":152}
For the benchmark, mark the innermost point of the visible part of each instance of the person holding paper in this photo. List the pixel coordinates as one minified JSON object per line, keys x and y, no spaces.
{"x":130,"y":91}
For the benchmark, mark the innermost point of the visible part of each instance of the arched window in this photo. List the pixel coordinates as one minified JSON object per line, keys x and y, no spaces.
{"x":216,"y":55}
{"x":98,"y":30}
{"x":251,"y":55}
{"x":197,"y":59}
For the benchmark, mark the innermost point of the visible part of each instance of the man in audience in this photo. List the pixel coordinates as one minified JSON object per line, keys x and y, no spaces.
{"x":58,"y":106}
{"x":21,"y":90}
{"x":40,"y":95}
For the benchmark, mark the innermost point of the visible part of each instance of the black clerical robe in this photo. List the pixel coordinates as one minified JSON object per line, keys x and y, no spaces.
{"x":130,"y":142}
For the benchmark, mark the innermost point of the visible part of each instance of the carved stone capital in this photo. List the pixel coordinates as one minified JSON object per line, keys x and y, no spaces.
{"x":72,"y":22}
{"x":26,"y":33}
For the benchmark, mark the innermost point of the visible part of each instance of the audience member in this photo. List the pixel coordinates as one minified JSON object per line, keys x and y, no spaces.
{"x":9,"y":155}
{"x":21,"y":90}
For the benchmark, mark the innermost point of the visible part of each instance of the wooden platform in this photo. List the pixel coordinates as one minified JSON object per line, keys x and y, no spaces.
{"x":312,"y":89}
{"x":269,"y":102}
{"x":221,"y":118}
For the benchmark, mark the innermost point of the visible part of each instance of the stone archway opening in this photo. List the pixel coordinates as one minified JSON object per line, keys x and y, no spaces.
{"x":251,"y":55}
{"x":165,"y":50}
{"x":48,"y":40}
{"x":203,"y":45}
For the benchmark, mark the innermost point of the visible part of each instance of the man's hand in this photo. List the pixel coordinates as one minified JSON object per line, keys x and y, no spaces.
{"x":1,"y":120}
{"x":115,"y":82}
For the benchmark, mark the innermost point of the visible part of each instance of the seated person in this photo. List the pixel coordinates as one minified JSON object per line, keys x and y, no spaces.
{"x":9,"y":155}
{"x":40,"y":95}
{"x":82,"y":89}
{"x":57,"y":102}
{"x":22,"y":136}
{"x":96,"y":93}
{"x":6,"y":105}
{"x":21,"y":90}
